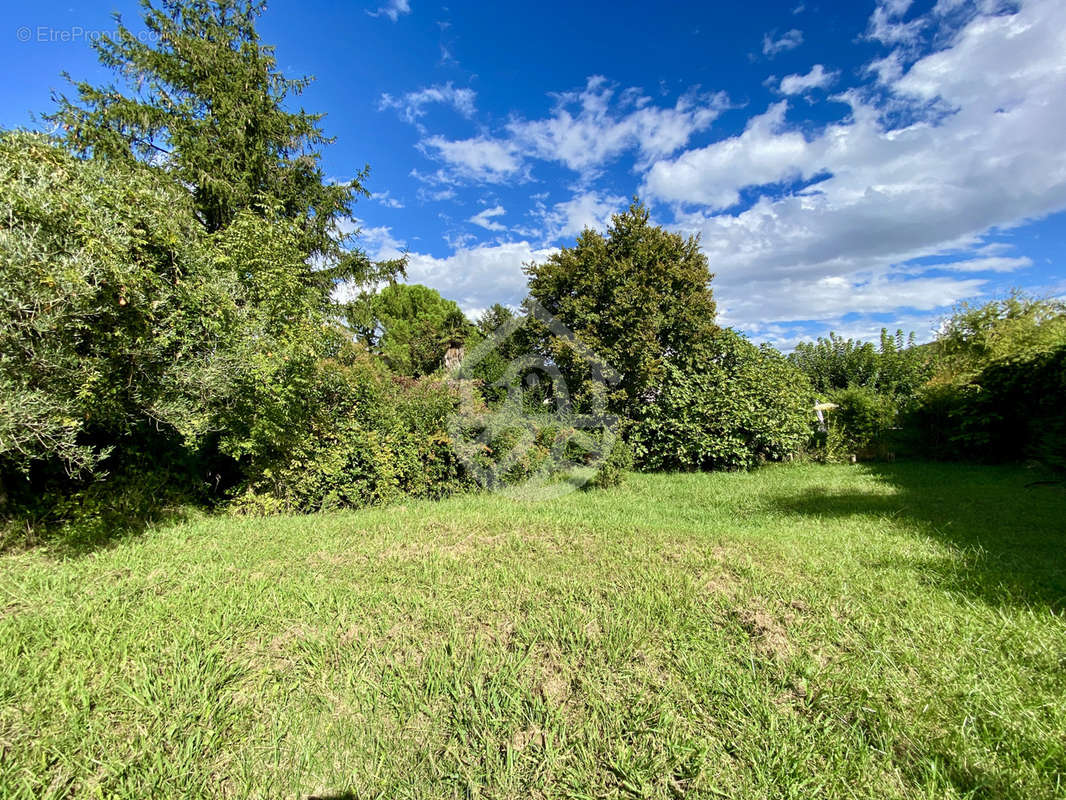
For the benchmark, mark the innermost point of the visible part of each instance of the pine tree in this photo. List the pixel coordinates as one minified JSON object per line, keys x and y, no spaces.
{"x":202,"y":99}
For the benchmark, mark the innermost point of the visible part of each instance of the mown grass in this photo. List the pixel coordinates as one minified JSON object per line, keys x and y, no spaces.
{"x":873,"y":631}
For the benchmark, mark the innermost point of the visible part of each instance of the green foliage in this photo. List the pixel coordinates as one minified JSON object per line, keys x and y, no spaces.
{"x":874,"y":387}
{"x":133,"y":343}
{"x":836,"y":363}
{"x":1010,"y":410}
{"x":511,"y":341}
{"x":166,"y":312}
{"x":638,"y":298}
{"x":612,"y":471}
{"x":730,"y":405}
{"x":897,"y":367}
{"x":205,"y":103}
{"x":410,"y":325}
{"x":369,"y":438}
{"x":1014,"y":328}
{"x":862,"y":421}
{"x":107,"y":293}
{"x":1001,"y":386}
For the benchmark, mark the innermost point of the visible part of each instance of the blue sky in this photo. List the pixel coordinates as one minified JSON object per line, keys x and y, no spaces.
{"x":848,"y":165}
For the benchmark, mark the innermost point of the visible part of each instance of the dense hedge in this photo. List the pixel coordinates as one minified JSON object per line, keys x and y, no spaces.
{"x":369,"y":438}
{"x":731,"y":405}
{"x":1013,"y":409}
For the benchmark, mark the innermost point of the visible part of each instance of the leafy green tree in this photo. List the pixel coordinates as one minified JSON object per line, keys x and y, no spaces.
{"x":204,"y":102}
{"x":729,"y":405}
{"x":107,"y":288}
{"x":836,"y":363}
{"x":903,"y":366}
{"x":636,"y":297}
{"x":1015,"y":327}
{"x":411,"y":326}
{"x":493,"y":318}
{"x":492,"y":367}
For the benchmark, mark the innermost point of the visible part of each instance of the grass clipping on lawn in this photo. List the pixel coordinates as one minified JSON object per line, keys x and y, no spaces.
{"x":874,"y":631}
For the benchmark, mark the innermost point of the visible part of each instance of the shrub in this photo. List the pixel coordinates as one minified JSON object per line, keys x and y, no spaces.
{"x":102,"y":276}
{"x":1001,"y":386}
{"x":612,"y":471}
{"x":1010,"y":410}
{"x":731,"y":405}
{"x":864,"y":420}
{"x":370,"y":438}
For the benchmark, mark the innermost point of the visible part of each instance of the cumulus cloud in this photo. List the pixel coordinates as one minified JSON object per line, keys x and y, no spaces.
{"x":713,"y":176}
{"x":789,"y":40}
{"x":486,"y":221}
{"x":412,"y":105}
{"x":817,"y":78}
{"x":480,"y":160}
{"x":569,"y":218}
{"x":987,"y":156}
{"x":834,"y":296}
{"x":590,"y":127}
{"x":477,"y":277}
{"x":394,"y":9}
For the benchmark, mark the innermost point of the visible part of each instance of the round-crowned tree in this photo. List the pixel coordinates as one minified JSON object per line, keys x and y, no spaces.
{"x":692,"y":395}
{"x":638,"y":297}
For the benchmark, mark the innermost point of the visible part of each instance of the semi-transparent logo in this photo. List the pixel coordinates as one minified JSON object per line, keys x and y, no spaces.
{"x":520,"y":428}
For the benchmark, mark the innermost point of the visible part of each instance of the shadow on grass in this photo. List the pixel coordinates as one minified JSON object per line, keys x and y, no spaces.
{"x":84,"y":535}
{"x":1008,"y":521}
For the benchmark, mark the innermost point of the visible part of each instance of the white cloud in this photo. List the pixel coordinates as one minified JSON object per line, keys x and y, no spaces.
{"x":834,"y":296}
{"x":988,"y":155}
{"x":989,"y":264}
{"x":393,"y":9}
{"x":789,"y":40}
{"x":817,"y":78}
{"x":587,"y":210}
{"x":486,"y":221}
{"x":412,"y":105}
{"x":477,"y":277}
{"x":888,"y":69}
{"x":386,"y":199}
{"x":886,"y":27}
{"x":586,"y":129}
{"x":479,"y":160}
{"x":764,"y":153}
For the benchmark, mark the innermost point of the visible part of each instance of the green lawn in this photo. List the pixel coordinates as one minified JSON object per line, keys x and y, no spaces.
{"x":874,"y":631}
